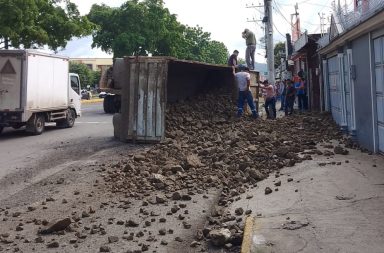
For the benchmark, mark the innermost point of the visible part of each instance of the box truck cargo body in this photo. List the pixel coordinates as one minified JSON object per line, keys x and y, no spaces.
{"x":36,"y":88}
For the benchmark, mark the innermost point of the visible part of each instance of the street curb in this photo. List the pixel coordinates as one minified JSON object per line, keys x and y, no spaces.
{"x":247,"y":237}
{"x":96,"y":100}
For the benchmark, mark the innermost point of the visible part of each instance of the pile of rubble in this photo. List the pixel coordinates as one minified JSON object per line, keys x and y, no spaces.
{"x":207,"y":147}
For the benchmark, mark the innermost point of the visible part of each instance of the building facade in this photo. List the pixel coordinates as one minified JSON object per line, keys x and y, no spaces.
{"x":95,"y":64}
{"x":352,"y":72}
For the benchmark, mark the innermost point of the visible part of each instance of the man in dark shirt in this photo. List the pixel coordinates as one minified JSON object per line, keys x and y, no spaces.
{"x":289,"y":98}
{"x":232,"y":61}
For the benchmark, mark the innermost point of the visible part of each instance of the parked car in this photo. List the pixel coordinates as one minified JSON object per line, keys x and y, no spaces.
{"x":86,"y":95}
{"x":102,"y":94}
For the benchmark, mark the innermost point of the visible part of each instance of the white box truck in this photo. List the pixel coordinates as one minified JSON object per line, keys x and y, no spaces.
{"x":36,"y":88}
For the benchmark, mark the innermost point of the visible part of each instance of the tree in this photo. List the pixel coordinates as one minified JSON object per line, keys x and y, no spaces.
{"x":35,"y":23}
{"x":216,"y":52}
{"x":147,"y":27}
{"x":87,"y":75}
{"x":279,"y":52}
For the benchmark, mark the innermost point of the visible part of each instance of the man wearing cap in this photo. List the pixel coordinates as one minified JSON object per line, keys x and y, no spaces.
{"x":250,"y":41}
{"x":243,"y":81}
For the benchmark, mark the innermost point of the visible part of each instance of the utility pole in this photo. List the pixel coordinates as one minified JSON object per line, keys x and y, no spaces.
{"x":322,"y":23}
{"x":269,"y":40}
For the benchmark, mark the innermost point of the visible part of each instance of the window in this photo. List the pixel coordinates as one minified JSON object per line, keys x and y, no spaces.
{"x":75,"y":84}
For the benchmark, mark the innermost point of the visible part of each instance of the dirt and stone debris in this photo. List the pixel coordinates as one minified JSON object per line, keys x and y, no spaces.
{"x":206,"y":149}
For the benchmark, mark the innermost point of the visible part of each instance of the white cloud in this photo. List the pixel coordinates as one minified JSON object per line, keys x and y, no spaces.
{"x":224,"y":19}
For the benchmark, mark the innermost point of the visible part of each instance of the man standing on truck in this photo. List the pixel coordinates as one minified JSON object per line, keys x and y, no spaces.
{"x":250,"y":41}
{"x":243,"y":81}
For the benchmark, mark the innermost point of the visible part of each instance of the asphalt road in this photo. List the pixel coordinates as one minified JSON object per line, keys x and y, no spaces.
{"x":20,"y":151}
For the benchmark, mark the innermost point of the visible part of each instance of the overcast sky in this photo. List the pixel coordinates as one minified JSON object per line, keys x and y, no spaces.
{"x":224,"y":19}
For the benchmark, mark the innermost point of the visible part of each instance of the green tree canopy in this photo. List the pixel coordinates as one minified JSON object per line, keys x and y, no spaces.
{"x":35,"y":23}
{"x":87,"y":75}
{"x":147,"y":27}
{"x":279,"y":52}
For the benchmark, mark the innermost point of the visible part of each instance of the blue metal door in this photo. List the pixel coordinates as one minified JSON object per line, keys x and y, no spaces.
{"x":379,"y":81}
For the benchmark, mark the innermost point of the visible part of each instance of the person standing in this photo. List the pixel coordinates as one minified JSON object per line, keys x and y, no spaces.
{"x":299,"y":85}
{"x":232,"y":61}
{"x":282,"y":92}
{"x":290,"y":98}
{"x":243,"y":81}
{"x":250,"y":41}
{"x":270,"y":99}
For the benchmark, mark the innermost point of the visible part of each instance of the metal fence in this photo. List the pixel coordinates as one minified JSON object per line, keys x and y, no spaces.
{"x":350,"y":18}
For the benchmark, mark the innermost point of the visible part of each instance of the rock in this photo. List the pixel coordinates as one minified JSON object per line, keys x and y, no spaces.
{"x":53,"y":244}
{"x":186,"y":197}
{"x":178,"y":239}
{"x":55,"y":226}
{"x":60,"y":181}
{"x":105,"y":249}
{"x":164,"y":242}
{"x":112,"y":239}
{"x":278,"y":183}
{"x":177,"y":168}
{"x":228,"y":246}
{"x":39,"y":240}
{"x":16,"y":214}
{"x":249,"y":196}
{"x":239,"y":211}
{"x":176,"y":196}
{"x":131,"y":223}
{"x":290,"y":179}
{"x":194,"y":244}
{"x":193,"y":161}
{"x":160,"y":200}
{"x":219,"y":237}
{"x":84,"y":214}
{"x":340,"y":151}
{"x":162,"y":231}
{"x":186,"y":225}
{"x":268,"y":190}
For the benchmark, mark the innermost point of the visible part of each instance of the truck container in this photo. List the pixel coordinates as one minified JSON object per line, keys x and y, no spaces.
{"x":143,"y":86}
{"x":36,"y":88}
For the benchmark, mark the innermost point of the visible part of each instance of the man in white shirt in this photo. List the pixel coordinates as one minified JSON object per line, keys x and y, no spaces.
{"x":243,"y":81}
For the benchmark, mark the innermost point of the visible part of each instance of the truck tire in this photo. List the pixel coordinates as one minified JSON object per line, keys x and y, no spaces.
{"x":69,"y":121}
{"x":108,"y":104}
{"x":36,"y":124}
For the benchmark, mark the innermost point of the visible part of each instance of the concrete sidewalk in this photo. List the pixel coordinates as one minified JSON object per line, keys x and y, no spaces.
{"x":326,"y":208}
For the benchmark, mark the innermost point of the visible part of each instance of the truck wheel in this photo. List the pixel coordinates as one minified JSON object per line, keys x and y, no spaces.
{"x":36,"y":124}
{"x":108,"y":104}
{"x":69,"y":121}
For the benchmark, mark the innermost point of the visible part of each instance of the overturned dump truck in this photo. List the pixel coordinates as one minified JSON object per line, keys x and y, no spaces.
{"x":141,"y":87}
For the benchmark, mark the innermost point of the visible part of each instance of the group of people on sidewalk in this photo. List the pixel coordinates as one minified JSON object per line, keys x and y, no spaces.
{"x":286,"y":91}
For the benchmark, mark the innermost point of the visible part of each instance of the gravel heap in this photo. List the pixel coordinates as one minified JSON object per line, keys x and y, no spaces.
{"x":206,"y":146}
